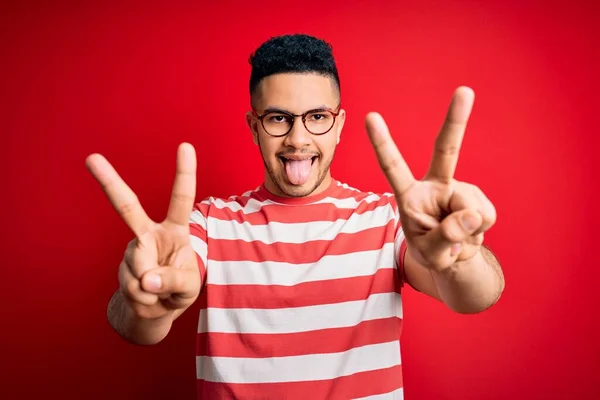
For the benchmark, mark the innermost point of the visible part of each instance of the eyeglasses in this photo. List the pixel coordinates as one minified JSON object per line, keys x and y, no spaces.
{"x":279,"y":123}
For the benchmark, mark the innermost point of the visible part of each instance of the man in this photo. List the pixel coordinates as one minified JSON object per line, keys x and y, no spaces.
{"x":300,"y":279}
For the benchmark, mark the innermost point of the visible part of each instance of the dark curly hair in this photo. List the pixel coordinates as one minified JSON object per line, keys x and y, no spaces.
{"x":293,"y":53}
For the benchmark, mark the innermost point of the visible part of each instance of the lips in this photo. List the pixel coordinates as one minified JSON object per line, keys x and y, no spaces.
{"x":297,"y":157}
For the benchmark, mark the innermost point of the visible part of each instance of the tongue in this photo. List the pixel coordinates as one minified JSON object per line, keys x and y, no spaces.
{"x":298,"y":171}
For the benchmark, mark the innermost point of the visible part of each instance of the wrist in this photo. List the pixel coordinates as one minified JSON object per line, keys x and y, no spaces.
{"x":461,"y":267}
{"x":136,"y":328}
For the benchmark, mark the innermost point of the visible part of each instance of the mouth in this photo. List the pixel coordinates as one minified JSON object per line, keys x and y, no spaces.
{"x":286,"y":159}
{"x":298,"y":168}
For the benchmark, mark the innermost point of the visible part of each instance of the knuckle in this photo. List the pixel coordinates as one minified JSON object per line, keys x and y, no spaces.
{"x":469,"y":189}
{"x":478,"y":239}
{"x":176,"y":280}
{"x":451,"y":231}
{"x":130,"y":249}
{"x":487,"y":209}
{"x":142,"y":261}
{"x":447,"y":150}
{"x":129,"y":207}
{"x":477,"y":190}
{"x":445,"y":147}
{"x":134,"y":265}
{"x":182,"y":197}
{"x":131,"y":286}
{"x":390,"y":164}
{"x":491,"y":216}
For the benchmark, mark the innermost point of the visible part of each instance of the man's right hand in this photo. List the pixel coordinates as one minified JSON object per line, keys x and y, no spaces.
{"x":159,"y":274}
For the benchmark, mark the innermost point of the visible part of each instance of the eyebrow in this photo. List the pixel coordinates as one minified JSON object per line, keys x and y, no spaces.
{"x":282,"y":110}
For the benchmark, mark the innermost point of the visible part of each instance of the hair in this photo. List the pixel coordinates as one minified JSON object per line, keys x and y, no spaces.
{"x":297,"y":53}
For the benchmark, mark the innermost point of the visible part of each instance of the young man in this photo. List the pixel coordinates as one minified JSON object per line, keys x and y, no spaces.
{"x":300,"y":279}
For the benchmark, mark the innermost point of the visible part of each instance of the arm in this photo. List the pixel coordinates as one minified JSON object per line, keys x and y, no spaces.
{"x":467,"y":287}
{"x":159,"y":276}
{"x":133,"y":328}
{"x":443,"y":220}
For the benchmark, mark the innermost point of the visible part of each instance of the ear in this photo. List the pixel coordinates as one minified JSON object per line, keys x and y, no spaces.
{"x":339,"y":121}
{"x":253,"y":125}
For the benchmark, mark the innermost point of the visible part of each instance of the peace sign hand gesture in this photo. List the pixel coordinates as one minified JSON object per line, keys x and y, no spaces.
{"x":159,"y":271}
{"x":443,"y":220}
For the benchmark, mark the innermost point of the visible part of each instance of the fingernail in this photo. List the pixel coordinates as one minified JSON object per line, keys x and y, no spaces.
{"x":154,"y":282}
{"x":469,"y":222}
{"x":455,"y":249}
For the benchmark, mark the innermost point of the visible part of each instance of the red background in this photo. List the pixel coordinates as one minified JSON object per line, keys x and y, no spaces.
{"x":134,"y":81}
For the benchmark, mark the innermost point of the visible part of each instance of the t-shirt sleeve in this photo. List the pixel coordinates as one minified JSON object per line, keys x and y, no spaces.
{"x":199,"y":236}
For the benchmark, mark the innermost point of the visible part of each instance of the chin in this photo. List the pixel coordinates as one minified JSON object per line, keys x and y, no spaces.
{"x":298,"y":190}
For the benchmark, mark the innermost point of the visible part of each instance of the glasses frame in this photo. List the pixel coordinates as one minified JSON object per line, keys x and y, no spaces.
{"x":294,"y":116}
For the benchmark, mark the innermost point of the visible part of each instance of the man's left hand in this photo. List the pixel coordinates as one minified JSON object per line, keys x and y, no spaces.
{"x":443,"y":220}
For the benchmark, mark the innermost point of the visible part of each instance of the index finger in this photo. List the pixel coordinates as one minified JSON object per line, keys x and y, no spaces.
{"x":120,"y":195}
{"x":390,"y":160}
{"x":448,"y":142}
{"x":183,"y":194}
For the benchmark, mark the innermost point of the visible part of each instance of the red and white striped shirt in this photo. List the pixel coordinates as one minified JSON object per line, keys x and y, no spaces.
{"x":301,"y":296}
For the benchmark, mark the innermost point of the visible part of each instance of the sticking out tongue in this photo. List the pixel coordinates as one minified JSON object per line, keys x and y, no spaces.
{"x":298,"y":171}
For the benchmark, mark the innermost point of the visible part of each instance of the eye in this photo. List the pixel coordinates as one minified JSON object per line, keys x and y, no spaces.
{"x":319,"y":117}
{"x":277,"y":118}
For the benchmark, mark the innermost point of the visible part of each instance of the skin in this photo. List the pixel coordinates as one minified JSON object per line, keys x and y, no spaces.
{"x":159,"y":276}
{"x":444,"y":220}
{"x":296,"y":93}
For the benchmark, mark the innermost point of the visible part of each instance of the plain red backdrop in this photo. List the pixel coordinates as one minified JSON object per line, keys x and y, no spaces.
{"x":134,"y":81}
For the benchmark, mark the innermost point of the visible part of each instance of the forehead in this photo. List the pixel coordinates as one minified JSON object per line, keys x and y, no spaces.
{"x":296,"y":92}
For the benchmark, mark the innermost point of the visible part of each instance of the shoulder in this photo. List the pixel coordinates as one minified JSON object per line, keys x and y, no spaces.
{"x":237,"y":202}
{"x":346,"y":191}
{"x":241,"y":198}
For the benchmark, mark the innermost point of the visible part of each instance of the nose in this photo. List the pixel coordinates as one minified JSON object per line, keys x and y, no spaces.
{"x":298,"y":137}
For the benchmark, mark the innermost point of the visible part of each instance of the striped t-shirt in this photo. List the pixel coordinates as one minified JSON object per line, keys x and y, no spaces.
{"x":300,"y":297}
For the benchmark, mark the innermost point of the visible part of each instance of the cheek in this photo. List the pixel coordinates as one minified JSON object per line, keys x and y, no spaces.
{"x":269,"y":148}
{"x":327,"y":146}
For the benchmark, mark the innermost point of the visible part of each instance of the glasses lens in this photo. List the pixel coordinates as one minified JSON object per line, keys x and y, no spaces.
{"x":277,"y":124}
{"x":319,"y":122}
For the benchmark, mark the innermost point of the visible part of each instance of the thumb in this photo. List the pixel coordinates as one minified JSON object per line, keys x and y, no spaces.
{"x":451,"y":232}
{"x":183,"y":282}
{"x":459,"y":225}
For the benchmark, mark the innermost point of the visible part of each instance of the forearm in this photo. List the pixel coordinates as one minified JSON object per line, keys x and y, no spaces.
{"x":470,"y":286}
{"x":133,"y":328}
